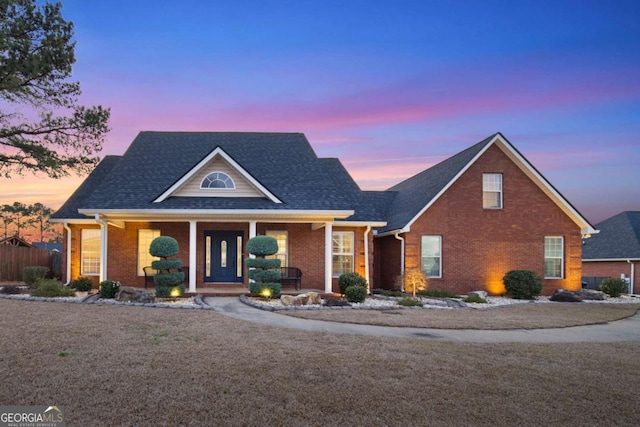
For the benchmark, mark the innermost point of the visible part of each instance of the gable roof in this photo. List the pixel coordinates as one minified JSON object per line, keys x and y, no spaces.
{"x":282,"y":165}
{"x":15,"y":240}
{"x":416,"y":194}
{"x":619,"y":239}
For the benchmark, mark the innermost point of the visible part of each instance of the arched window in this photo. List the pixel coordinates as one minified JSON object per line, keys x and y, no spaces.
{"x":218,"y":180}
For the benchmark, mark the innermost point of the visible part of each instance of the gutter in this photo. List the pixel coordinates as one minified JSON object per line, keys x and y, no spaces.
{"x":68,"y":254}
{"x":397,"y":236}
{"x":366,"y":257}
{"x":633,"y":275}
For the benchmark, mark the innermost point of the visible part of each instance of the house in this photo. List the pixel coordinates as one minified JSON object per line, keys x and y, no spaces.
{"x":477,"y":215}
{"x":615,"y":251}
{"x":465,"y":221}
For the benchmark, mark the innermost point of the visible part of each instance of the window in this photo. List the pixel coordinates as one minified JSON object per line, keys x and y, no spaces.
{"x":145,"y":237}
{"x":431,"y":256}
{"x":90,"y":252}
{"x":342,"y":252}
{"x":282,"y":238}
{"x":492,"y":191}
{"x":553,"y":257}
{"x":218,"y":180}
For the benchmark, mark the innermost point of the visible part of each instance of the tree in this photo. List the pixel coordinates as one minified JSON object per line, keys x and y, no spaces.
{"x":15,"y":214}
{"x":6,"y":215}
{"x":42,"y":126}
{"x":39,"y":217}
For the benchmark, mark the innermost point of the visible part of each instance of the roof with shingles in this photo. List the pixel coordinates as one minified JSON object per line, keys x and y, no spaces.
{"x":619,"y":238}
{"x":284,"y":163}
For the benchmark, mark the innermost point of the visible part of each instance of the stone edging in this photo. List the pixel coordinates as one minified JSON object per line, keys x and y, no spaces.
{"x":94,"y":299}
{"x":447,"y":302}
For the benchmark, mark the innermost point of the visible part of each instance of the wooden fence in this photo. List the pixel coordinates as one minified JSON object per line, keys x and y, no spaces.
{"x":13,"y":259}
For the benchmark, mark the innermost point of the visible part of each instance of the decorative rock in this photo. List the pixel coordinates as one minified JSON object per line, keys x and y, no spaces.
{"x":301,"y":299}
{"x":314,"y":298}
{"x":593,"y":295}
{"x":560,"y":295}
{"x":129,"y":294}
{"x":286,"y":299}
{"x":481,"y":294}
{"x":336,"y":303}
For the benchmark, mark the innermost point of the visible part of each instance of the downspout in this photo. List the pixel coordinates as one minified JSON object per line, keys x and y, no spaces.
{"x":397,"y":236}
{"x":366,"y":258}
{"x":104,"y":230}
{"x":633,"y":275}
{"x":66,"y":227}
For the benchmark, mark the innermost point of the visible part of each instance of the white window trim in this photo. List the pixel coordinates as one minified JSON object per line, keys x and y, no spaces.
{"x":501,"y":192}
{"x":439,"y":276}
{"x":286,"y":249}
{"x":139,"y":266}
{"x":561,"y":258}
{"x":233,"y":183}
{"x":351,"y":254}
{"x":82,"y":252}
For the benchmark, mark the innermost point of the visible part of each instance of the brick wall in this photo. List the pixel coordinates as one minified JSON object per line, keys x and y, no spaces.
{"x":612,"y":269}
{"x":480,"y":245}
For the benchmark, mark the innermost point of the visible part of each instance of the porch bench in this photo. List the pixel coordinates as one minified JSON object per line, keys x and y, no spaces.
{"x":291,"y":276}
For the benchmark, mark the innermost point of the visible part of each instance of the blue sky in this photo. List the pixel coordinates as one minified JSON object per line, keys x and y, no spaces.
{"x":390,"y":88}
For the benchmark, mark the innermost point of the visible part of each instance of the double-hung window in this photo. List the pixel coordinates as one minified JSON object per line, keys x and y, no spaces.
{"x":282,"y":254}
{"x":90,"y":252}
{"x":553,"y":257}
{"x":342,"y":252}
{"x":431,"y":256}
{"x":492,"y":191}
{"x":145,"y":237}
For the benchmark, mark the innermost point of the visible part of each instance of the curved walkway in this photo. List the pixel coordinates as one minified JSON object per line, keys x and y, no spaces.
{"x":621,"y":330}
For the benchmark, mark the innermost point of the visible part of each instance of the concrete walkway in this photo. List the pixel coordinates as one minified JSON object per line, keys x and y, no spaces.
{"x":621,"y":330}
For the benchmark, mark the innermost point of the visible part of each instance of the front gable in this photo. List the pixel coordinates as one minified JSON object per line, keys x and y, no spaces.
{"x":217,"y":166}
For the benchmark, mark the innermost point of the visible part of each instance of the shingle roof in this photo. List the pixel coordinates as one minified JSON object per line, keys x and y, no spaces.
{"x":284,"y":163}
{"x":415,"y":193}
{"x":619,"y":238}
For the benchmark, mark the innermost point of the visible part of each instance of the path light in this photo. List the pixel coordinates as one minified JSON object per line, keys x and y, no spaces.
{"x":175,"y":292}
{"x":266,"y":293}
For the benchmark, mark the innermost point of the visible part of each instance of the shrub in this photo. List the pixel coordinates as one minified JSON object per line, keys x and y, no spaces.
{"x":10,"y":290}
{"x":257,"y":289}
{"x":109,"y":289}
{"x":164,"y":246}
{"x":613,"y":286}
{"x":51,"y":288}
{"x":166,"y":264}
{"x":413,"y":280}
{"x":169,"y":279}
{"x":262,"y":246}
{"x":522,"y":284}
{"x":262,"y":263}
{"x":355,"y":293}
{"x":82,"y":284}
{"x":410,"y":302}
{"x":438,"y":293}
{"x":170,"y":291}
{"x":351,"y":279}
{"x":475,"y":299}
{"x":31,"y":275}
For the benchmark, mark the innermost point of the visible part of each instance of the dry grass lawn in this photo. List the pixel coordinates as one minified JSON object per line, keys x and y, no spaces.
{"x":114,"y":365}
{"x":518,"y":316}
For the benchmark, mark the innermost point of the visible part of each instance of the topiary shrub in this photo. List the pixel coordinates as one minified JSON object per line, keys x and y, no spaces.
{"x":165,"y":247}
{"x":355,"y":293}
{"x":32,"y":274}
{"x":82,"y":284}
{"x":413,"y":280}
{"x":522,"y":284}
{"x":109,"y":289}
{"x":51,"y":288}
{"x":264,"y":273}
{"x":351,"y":279}
{"x":613,"y":286}
{"x":169,"y":291}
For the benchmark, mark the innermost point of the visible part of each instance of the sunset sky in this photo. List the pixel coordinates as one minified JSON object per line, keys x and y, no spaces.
{"x":388,"y":87}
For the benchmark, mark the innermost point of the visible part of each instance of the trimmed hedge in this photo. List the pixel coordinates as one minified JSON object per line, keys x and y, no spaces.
{"x":522,"y":284}
{"x":82,"y":284}
{"x":166,"y":264}
{"x":262,"y":245}
{"x":32,"y":274}
{"x":355,"y":293}
{"x":164,"y":246}
{"x":262,"y":263}
{"x":169,"y":279}
{"x":351,"y":279}
{"x":613,"y":286}
{"x":165,"y":291}
{"x":257,"y":289}
{"x":109,"y":289}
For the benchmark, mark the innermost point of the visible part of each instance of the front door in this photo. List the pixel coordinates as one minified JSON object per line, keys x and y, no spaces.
{"x":223,"y":256}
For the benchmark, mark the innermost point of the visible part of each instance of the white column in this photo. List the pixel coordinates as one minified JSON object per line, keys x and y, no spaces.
{"x":104,"y":234}
{"x":193,"y":237}
{"x":366,"y":258}
{"x":328,"y":259}
{"x":252,"y":233}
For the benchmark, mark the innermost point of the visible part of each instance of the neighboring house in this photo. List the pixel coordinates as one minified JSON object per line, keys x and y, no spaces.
{"x":465,"y":221}
{"x":615,"y":251}
{"x":473,"y":217}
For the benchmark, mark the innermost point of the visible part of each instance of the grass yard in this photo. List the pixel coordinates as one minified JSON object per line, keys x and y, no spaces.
{"x":114,"y":365}
{"x":518,"y":316}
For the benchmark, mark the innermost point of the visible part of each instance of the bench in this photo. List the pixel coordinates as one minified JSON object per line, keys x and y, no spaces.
{"x":291,"y":276}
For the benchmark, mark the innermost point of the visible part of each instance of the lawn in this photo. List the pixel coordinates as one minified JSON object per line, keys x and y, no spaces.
{"x":115,"y":365}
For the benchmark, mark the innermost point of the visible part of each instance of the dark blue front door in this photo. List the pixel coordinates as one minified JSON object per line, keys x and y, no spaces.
{"x":223,"y":256}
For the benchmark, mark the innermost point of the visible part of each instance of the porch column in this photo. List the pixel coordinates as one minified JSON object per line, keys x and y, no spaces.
{"x":252,"y":233}
{"x":328,"y":259}
{"x":193,"y":236}
{"x":104,"y":234}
